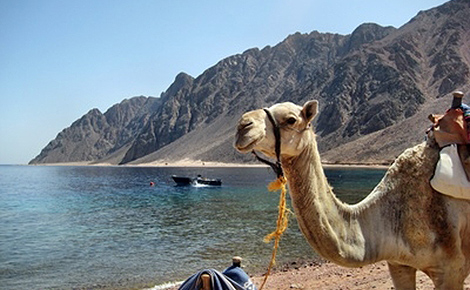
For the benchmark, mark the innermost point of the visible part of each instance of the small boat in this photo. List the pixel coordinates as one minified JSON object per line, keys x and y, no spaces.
{"x":199,"y":180}
{"x":182,"y":180}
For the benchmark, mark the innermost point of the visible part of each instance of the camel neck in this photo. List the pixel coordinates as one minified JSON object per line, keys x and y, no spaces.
{"x":355,"y":235}
{"x":331,"y":227}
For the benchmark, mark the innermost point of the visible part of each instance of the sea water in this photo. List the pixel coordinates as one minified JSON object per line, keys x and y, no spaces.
{"x":107,"y":228}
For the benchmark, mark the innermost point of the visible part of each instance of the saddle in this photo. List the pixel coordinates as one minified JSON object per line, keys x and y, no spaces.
{"x":450,"y":128}
{"x":452,"y":136}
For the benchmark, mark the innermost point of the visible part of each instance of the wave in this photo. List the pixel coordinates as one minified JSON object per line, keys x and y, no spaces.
{"x":167,"y":285}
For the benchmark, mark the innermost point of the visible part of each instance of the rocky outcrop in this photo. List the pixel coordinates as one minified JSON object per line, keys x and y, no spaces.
{"x":368,"y":83}
{"x":96,"y":135}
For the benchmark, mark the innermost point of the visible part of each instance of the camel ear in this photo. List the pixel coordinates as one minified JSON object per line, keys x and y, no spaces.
{"x":310,"y":110}
{"x":435,"y":118}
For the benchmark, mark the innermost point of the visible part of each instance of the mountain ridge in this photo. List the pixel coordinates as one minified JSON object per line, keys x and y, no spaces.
{"x":368,"y":83}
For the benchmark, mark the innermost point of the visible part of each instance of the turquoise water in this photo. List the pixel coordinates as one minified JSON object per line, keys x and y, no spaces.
{"x":107,"y":228}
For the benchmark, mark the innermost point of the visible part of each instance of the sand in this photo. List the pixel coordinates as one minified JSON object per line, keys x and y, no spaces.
{"x":328,"y":276}
{"x":201,"y":163}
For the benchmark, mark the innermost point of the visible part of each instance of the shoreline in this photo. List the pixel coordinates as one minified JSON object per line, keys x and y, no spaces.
{"x":200,"y":164}
{"x":313,"y":274}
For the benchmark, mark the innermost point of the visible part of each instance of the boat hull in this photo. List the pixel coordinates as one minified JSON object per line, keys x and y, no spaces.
{"x":184,"y":181}
{"x":206,"y":181}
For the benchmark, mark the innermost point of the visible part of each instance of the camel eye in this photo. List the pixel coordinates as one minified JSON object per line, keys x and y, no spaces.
{"x":291,"y":121}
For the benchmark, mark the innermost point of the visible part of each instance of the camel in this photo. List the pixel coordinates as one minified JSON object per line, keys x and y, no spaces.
{"x":402,"y":221}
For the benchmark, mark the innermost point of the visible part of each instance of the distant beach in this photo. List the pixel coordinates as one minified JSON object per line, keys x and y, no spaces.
{"x":200,"y":163}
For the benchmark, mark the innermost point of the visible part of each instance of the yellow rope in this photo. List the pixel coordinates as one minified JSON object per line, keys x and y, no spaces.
{"x":282,"y":222}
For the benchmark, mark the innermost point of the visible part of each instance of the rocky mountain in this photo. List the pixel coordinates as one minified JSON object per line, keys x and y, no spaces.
{"x":96,"y":135}
{"x":375,"y":87}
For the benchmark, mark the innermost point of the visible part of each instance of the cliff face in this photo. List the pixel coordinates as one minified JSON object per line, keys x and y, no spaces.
{"x":369,"y":83}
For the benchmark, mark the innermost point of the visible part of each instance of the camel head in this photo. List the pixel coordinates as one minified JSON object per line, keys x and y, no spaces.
{"x":449,"y":128}
{"x":255,"y":130}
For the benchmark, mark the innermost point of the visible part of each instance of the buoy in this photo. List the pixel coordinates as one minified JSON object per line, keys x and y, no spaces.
{"x":152,"y":183}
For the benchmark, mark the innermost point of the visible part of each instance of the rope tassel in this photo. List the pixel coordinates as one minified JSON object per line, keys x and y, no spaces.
{"x":282,"y":222}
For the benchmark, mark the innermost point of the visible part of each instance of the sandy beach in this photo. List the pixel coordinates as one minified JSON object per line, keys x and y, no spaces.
{"x":328,"y":276}
{"x":201,"y":163}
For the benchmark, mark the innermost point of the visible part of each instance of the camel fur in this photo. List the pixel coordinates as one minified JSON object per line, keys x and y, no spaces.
{"x":403,"y":220}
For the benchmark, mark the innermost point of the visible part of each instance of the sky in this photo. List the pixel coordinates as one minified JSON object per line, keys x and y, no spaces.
{"x":61,"y":58}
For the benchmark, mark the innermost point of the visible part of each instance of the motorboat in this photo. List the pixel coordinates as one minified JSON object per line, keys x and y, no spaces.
{"x":199,"y":180}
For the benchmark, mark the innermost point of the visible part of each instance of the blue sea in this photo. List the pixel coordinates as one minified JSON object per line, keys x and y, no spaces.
{"x":72,"y":227}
